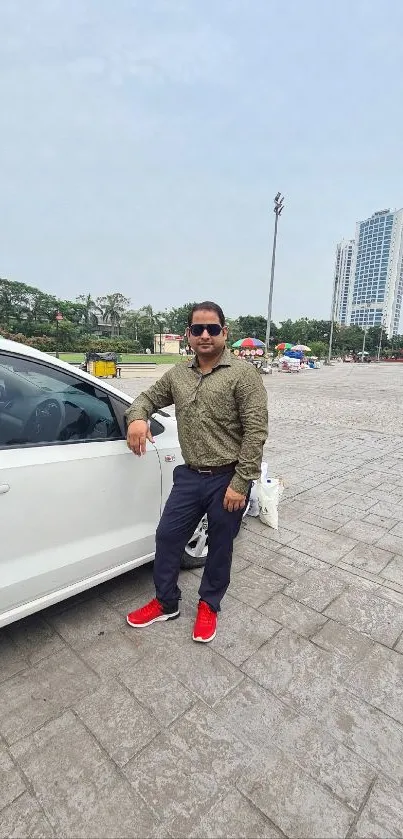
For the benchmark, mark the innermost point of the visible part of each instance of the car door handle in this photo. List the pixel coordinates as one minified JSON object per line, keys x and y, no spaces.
{"x":4,"y":488}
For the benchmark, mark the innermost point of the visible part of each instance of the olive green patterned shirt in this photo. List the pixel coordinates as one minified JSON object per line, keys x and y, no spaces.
{"x":221,"y":415}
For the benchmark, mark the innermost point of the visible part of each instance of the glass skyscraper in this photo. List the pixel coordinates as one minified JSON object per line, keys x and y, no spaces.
{"x":342,"y":278}
{"x":376,"y":284}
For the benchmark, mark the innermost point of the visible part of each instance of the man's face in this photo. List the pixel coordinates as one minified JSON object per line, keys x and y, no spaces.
{"x":205,"y":345}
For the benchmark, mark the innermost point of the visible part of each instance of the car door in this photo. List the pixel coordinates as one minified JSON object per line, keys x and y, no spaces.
{"x":74,"y":501}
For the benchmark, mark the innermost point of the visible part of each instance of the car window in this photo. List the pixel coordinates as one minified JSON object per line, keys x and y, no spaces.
{"x":41,"y":404}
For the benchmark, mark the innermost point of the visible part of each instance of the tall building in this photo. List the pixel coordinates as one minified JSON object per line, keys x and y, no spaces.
{"x":342,"y":277}
{"x":376,"y":285}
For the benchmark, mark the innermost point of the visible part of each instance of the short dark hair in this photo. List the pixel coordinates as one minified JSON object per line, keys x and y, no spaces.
{"x":207,"y":306}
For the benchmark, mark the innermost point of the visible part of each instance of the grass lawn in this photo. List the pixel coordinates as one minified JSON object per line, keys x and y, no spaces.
{"x":132,"y":357}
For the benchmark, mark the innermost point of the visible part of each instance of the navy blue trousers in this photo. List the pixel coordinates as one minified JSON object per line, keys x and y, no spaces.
{"x":192,"y":496}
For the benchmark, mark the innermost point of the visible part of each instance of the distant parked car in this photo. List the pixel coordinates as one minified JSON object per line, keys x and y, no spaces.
{"x":76,"y":506}
{"x":348,"y":359}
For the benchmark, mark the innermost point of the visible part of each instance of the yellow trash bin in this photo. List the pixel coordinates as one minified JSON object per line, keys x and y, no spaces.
{"x":102,"y":365}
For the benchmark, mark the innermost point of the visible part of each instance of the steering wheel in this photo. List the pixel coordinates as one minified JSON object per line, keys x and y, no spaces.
{"x":45,"y":422}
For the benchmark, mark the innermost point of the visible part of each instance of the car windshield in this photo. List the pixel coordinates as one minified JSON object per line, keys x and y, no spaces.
{"x":34,"y":378}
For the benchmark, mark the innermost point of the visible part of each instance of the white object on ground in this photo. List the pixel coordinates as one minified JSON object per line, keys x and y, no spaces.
{"x":269,"y":492}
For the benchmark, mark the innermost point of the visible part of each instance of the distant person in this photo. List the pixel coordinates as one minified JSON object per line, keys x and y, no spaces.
{"x":221,"y":411}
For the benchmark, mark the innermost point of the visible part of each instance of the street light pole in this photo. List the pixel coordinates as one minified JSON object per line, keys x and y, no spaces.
{"x":278,"y":207}
{"x":380,"y":342}
{"x":367,"y":308}
{"x":329,"y":358}
{"x":59,"y":317}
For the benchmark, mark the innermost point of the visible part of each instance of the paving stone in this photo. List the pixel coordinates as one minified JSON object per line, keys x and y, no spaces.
{"x":257,"y":716}
{"x":35,"y":638}
{"x":326,"y":546}
{"x":255,"y":554}
{"x":286,"y":566}
{"x":241,"y":631}
{"x":262,"y":720}
{"x":301,"y":559}
{"x":294,"y":669}
{"x":371,"y":615}
{"x":24,"y":819}
{"x":344,"y":514}
{"x":11,"y":783}
{"x":255,"y":585}
{"x":79,"y":788}
{"x":378,"y":679}
{"x":117,"y":721}
{"x":201,"y":670}
{"x":352,"y":484}
{"x":31,"y":698}
{"x":368,"y":557}
{"x":391,"y":542}
{"x":157,"y":688}
{"x":261,"y":533}
{"x":319,"y":520}
{"x":85,"y":622}
{"x":381,"y":521}
{"x":239,"y":562}
{"x":298,"y":805}
{"x":358,"y":502}
{"x":391,"y":592}
{"x":133,"y":584}
{"x":371,"y":479}
{"x":11,"y":657}
{"x":316,"y":589}
{"x":293,"y":615}
{"x":371,"y":734}
{"x":394,"y":570}
{"x":384,"y":508}
{"x":382,"y":816}
{"x":324,"y":498}
{"x":187,"y":769}
{"x":357,"y":578}
{"x":301,"y":526}
{"x":347,"y":646}
{"x":397,"y":530}
{"x":387,"y":492}
{"x":364,"y":531}
{"x":234,"y":816}
{"x":109,"y":654}
{"x":329,"y":763}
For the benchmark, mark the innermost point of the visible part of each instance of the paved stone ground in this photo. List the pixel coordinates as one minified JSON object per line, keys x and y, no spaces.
{"x":291,"y":722}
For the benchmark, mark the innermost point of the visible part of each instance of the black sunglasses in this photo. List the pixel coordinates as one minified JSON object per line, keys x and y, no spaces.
{"x":197,"y":329}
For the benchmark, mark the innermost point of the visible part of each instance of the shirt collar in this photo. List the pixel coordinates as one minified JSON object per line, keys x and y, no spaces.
{"x":223,"y":361}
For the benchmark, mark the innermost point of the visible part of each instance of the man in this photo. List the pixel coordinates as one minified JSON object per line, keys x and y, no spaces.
{"x":221,"y":412}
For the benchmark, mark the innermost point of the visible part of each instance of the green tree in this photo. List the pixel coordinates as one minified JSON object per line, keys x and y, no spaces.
{"x":132,"y":323}
{"x":234,"y":332}
{"x":90,"y":311}
{"x":112,"y":308}
{"x":253,"y":326}
{"x":319,"y":348}
{"x":177,"y":319}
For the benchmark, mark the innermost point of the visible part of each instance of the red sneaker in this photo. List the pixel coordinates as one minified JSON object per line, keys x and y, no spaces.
{"x":150,"y":613}
{"x":205,"y":627}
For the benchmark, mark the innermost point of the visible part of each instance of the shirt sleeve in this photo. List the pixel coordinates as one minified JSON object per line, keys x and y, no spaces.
{"x":252,"y":405}
{"x":157,"y":396}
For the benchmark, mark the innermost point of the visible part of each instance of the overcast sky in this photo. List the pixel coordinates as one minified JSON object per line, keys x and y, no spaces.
{"x":142,"y":142}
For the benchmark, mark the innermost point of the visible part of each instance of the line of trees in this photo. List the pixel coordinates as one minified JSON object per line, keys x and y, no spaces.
{"x":28,"y":314}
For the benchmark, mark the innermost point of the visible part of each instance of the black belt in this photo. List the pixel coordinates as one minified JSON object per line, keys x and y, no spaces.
{"x":213,"y":470}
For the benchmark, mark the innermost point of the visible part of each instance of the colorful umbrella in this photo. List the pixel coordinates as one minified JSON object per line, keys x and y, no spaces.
{"x":249,"y":343}
{"x":283,"y":346}
{"x":301,"y":348}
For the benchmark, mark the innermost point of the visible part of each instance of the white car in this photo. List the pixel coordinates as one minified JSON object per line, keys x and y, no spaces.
{"x":76,"y":506}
